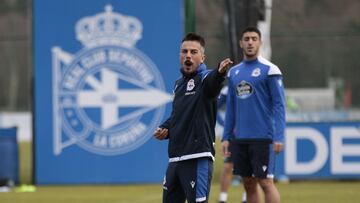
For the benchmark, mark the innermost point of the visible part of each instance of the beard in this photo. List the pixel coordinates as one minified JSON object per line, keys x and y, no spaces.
{"x":188,"y":63}
{"x":251,"y":52}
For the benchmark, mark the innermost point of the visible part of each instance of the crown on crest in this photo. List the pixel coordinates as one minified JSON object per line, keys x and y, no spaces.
{"x":108,"y":28}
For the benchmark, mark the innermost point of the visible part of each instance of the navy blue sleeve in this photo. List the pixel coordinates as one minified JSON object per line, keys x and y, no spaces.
{"x":213,"y":83}
{"x":167,"y":123}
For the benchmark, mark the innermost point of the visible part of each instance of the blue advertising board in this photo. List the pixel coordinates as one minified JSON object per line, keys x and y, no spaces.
{"x":320,"y":151}
{"x":9,"y":156}
{"x":103,"y":76}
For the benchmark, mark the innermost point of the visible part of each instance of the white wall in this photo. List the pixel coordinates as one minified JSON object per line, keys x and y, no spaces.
{"x":22,"y":120}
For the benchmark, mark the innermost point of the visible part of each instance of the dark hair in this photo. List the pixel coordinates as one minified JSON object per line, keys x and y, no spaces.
{"x":194,"y":37}
{"x":251,"y":29}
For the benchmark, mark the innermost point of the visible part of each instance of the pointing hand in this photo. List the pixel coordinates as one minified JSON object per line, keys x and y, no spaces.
{"x":225,"y":65}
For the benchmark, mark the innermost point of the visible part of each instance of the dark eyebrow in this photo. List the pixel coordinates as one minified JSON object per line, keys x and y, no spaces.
{"x":190,"y":49}
{"x":252,"y":37}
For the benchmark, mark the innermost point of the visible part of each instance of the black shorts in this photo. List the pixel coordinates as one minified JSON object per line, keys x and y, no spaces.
{"x":188,"y":180}
{"x":256,"y":159}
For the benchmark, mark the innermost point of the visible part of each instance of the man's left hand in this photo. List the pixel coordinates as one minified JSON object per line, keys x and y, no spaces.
{"x":278,"y":147}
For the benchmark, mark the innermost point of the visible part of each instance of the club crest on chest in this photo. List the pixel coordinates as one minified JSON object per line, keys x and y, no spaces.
{"x":190,"y":85}
{"x":256,"y":72}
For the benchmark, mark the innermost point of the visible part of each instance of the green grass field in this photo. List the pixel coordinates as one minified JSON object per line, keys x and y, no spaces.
{"x":294,"y":192}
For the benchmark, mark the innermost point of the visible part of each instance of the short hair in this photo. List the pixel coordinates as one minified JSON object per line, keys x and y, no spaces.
{"x":194,"y":37}
{"x":251,"y":29}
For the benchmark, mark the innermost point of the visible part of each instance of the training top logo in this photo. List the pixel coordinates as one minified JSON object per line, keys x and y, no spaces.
{"x":190,"y":85}
{"x":244,"y":90}
{"x":108,"y":97}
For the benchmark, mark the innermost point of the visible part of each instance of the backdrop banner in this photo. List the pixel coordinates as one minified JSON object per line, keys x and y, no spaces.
{"x":323,"y":150}
{"x":104,"y":71}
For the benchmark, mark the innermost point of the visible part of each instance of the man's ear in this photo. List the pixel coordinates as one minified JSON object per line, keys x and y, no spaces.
{"x":240,"y":44}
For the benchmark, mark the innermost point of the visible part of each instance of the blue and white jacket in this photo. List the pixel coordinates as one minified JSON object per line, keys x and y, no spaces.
{"x":255,"y":104}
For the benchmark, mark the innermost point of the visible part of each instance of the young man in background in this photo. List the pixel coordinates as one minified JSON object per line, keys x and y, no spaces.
{"x":255,"y":116}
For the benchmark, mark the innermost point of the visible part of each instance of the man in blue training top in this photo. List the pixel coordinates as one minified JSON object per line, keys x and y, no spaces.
{"x":255,"y":114}
{"x":191,"y":125}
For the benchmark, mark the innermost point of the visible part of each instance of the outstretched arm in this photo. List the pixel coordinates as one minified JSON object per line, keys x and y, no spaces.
{"x":215,"y":78}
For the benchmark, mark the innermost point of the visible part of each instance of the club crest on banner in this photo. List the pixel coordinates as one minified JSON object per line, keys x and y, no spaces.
{"x":109,"y":96}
